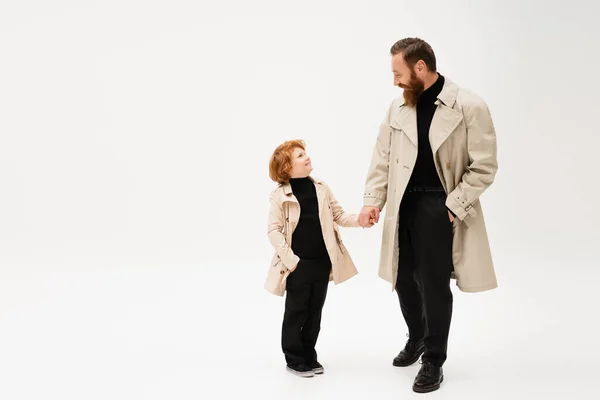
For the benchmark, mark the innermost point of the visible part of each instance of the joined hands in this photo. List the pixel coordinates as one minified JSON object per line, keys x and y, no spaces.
{"x":368,"y":216}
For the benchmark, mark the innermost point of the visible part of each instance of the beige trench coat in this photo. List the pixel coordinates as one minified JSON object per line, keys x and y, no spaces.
{"x":463,"y":140}
{"x":284,"y":214}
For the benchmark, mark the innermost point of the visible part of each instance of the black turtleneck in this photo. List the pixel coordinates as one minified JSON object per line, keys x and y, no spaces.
{"x":307,"y":239}
{"x":424,"y":173}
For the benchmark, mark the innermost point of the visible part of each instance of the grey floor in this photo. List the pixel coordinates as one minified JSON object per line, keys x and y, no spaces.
{"x":178,"y":332}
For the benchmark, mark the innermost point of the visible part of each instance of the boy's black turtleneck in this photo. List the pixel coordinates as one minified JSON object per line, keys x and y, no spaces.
{"x":307,"y":239}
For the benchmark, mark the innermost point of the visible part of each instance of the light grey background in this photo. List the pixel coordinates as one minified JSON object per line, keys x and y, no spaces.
{"x":134,"y":146}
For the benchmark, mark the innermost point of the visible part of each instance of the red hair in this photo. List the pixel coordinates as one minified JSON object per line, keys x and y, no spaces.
{"x":280,"y":164}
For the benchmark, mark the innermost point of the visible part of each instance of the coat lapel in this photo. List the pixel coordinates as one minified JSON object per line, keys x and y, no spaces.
{"x":445,"y":119}
{"x":444,"y":122}
{"x":321,"y":198}
{"x":288,"y":195}
{"x":406,"y":121}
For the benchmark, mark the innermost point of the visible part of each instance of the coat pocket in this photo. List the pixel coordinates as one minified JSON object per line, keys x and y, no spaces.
{"x":338,"y":239}
{"x":281,"y":269}
{"x":275,"y":282}
{"x":285,"y":275}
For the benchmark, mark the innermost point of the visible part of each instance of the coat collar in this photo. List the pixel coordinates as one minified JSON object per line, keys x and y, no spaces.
{"x":449,"y":93}
{"x":445,"y":119}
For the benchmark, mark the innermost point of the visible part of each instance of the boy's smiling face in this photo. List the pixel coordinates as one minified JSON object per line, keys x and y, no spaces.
{"x":301,"y":164}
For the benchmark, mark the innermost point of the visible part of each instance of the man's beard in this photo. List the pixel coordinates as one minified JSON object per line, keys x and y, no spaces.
{"x":413,"y":91}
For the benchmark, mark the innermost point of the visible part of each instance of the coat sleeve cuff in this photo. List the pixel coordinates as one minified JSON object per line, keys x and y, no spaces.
{"x":373,"y":202}
{"x":290,"y":261}
{"x":374,"y":199}
{"x":353,"y":221}
{"x":460,"y":209}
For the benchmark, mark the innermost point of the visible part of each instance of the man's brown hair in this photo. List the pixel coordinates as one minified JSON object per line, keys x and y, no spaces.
{"x":413,"y":50}
{"x":280,"y":164}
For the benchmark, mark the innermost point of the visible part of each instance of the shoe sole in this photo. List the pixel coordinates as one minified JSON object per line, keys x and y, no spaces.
{"x":428,"y":389}
{"x":307,"y":374}
{"x":318,"y":371}
{"x":409,"y":362}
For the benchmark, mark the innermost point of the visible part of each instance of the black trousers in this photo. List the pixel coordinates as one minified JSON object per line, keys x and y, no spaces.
{"x":425,"y":266}
{"x":306,"y":289}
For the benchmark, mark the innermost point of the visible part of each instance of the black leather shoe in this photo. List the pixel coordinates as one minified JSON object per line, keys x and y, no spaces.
{"x":410,"y":354}
{"x":429,"y":378}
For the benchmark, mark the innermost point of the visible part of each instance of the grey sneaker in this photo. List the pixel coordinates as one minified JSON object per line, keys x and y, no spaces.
{"x":301,"y":370}
{"x":316,"y":367}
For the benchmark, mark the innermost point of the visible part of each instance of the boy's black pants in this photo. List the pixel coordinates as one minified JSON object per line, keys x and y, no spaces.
{"x":306,"y":289}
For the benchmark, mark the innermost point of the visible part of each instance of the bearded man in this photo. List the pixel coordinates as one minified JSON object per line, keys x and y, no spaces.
{"x":434,"y":156}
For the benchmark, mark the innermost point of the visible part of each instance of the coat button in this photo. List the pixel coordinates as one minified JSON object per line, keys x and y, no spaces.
{"x":281,"y":272}
{"x":448,"y":165}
